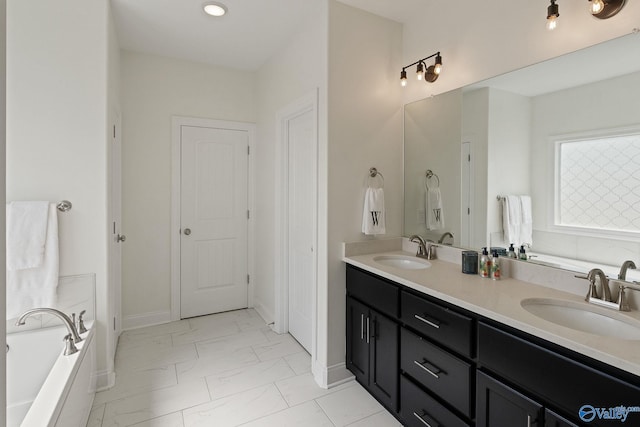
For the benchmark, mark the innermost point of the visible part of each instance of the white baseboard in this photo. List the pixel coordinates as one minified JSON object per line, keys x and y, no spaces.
{"x":332,"y":376}
{"x":267,"y":315}
{"x":136,"y":321}
{"x":105,"y":380}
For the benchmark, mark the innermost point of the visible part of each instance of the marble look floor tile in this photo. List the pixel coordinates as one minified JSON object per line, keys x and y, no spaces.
{"x":151,"y":331}
{"x":203,"y":333}
{"x":273,"y":336}
{"x":150,"y":356}
{"x":203,"y":367}
{"x":163,"y":340}
{"x":218,"y":319}
{"x":303,"y":388}
{"x":349,"y":405}
{"x":277,"y":349}
{"x":135,"y":382}
{"x":381,"y":419}
{"x":154,"y":404}
{"x":299,"y":362}
{"x":236,"y":409}
{"x":238,"y":380}
{"x":222,"y":346}
{"x":171,"y":420}
{"x":95,"y":416}
{"x":307,"y":414}
{"x":252,"y":324}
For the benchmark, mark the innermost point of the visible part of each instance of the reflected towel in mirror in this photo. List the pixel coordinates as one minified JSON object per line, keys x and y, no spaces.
{"x":435,"y":215}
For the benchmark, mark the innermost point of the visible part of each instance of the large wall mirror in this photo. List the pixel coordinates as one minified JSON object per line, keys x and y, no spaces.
{"x":565,"y":132}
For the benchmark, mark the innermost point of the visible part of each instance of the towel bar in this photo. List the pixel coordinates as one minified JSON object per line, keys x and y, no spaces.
{"x":64,"y":206}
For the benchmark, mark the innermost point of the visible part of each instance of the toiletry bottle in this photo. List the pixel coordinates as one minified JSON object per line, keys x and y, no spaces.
{"x":496,"y":273}
{"x":523,"y":254}
{"x":485,"y":264}
{"x":512,"y":252}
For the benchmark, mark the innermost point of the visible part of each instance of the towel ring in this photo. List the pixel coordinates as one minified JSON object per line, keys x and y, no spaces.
{"x":64,"y":206}
{"x":373,"y":173}
{"x":430,"y":175}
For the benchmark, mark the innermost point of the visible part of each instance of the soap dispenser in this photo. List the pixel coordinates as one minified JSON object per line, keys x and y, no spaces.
{"x":496,"y":273}
{"x":485,"y":263}
{"x":512,"y":252}
{"x":523,"y":254}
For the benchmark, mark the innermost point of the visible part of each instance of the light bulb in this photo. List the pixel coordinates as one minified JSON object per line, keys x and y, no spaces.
{"x":215,"y":9}
{"x":419,"y":71}
{"x":403,"y":82}
{"x":596,"y":6}
{"x":552,"y":22}
{"x":437,"y":69}
{"x":403,"y":78}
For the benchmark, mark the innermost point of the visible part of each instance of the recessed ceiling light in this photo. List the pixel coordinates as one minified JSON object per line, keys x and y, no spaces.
{"x":214,"y":9}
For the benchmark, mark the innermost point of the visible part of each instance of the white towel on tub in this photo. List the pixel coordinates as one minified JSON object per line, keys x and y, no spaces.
{"x":373,"y":213}
{"x":512,"y":219}
{"x":526,"y":228}
{"x":36,"y":287}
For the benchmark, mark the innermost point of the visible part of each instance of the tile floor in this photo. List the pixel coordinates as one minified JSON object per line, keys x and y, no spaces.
{"x":227,"y":369}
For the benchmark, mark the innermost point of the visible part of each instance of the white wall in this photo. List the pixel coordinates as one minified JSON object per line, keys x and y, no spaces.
{"x":154,"y":89}
{"x":57,"y":127}
{"x":365,"y":130}
{"x":483,"y":39}
{"x":299,"y":68}
{"x":618,"y":107}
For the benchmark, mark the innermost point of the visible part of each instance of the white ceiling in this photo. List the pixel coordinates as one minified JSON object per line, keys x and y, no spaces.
{"x":244,"y":38}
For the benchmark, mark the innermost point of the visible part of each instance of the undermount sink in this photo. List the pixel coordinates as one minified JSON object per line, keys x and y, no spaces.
{"x":583,"y":317}
{"x":402,"y":262}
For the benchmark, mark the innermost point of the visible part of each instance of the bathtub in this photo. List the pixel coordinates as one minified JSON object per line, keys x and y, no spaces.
{"x":44,"y":387}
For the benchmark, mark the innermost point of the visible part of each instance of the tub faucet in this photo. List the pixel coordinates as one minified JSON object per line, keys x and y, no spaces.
{"x":444,"y":236}
{"x":65,"y":319}
{"x":604,"y":283}
{"x":623,"y":269}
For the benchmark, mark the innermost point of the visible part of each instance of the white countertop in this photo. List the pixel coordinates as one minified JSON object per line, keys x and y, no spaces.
{"x":500,"y":300}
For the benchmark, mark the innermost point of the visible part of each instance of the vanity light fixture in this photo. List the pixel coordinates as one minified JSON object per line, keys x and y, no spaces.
{"x":214,"y":9}
{"x":601,"y":9}
{"x":423,"y":72}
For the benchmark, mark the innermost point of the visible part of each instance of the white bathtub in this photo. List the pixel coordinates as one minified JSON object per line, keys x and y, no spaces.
{"x":44,"y":387}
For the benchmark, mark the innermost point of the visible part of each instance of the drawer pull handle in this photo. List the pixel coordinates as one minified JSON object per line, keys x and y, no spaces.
{"x":361,"y":326}
{"x":422,"y":420}
{"x":368,"y":330}
{"x":528,"y":420}
{"x":431,"y":323}
{"x":435,"y":371}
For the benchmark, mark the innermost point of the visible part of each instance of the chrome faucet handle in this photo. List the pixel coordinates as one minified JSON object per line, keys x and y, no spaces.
{"x":604,"y":282}
{"x":80,"y":326}
{"x":69,"y":345}
{"x":422,"y":248}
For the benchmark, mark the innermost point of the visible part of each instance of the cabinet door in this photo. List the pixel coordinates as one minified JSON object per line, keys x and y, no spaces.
{"x":383,"y":376}
{"x":551,"y":419}
{"x":358,"y":337}
{"x":499,"y":406}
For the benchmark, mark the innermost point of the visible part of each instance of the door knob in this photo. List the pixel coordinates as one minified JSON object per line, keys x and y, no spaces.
{"x":187,"y":231}
{"x":121,"y":238}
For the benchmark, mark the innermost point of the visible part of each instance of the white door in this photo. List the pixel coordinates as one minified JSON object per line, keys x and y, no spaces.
{"x":117,"y":238}
{"x":214,"y":220}
{"x":301,"y":225}
{"x":466,"y":198}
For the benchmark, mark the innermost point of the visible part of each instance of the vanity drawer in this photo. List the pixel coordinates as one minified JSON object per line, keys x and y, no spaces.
{"x":419,"y":409}
{"x":439,"y":323}
{"x":553,"y":377}
{"x":439,"y":371}
{"x":373,"y":291}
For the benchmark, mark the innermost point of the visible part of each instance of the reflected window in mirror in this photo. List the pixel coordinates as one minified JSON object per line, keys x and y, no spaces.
{"x":597,"y":182}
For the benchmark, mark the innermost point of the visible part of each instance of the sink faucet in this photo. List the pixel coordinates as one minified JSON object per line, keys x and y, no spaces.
{"x":623,"y":269}
{"x":444,"y":236}
{"x":65,"y":319}
{"x":424,"y":250}
{"x":604,"y":284}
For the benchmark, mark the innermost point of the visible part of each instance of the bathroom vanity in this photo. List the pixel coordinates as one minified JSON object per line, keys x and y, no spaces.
{"x":440,"y":348}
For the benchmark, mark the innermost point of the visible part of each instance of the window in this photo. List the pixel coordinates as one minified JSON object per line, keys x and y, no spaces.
{"x":597,"y":186}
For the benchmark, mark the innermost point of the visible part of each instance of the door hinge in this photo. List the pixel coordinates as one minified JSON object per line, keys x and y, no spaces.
{"x":248,"y":214}
{"x":248,"y":279}
{"x":114,"y":323}
{"x":468,"y":211}
{"x":469,"y":158}
{"x":248,"y":150}
{"x":114,"y":227}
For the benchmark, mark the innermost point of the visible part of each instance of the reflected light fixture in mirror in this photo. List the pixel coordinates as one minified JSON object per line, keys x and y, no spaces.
{"x":601,"y":9}
{"x":429,"y":74}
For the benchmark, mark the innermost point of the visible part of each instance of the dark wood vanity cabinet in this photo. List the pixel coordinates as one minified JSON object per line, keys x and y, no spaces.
{"x":372,"y":338}
{"x":432,"y":363}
